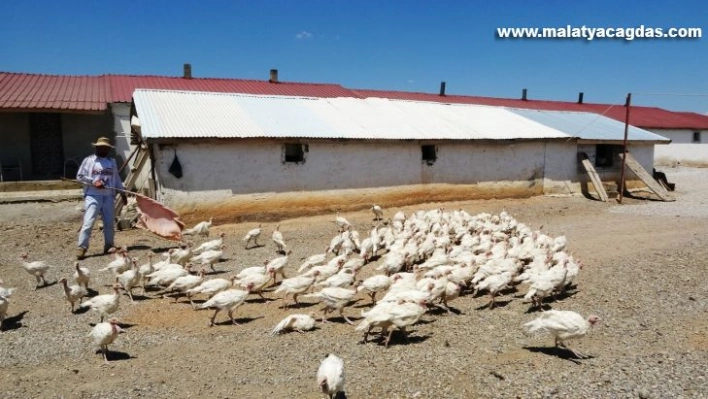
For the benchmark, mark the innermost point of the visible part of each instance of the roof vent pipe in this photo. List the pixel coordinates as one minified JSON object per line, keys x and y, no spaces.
{"x":580,"y":97}
{"x":187,"y":71}
{"x":273,"y":76}
{"x":524,"y":92}
{"x":442,"y":89}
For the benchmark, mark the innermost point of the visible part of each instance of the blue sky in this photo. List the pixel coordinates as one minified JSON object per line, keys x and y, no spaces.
{"x":397,"y":45}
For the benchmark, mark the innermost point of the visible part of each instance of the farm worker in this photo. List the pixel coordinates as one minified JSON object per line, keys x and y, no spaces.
{"x":100,"y":174}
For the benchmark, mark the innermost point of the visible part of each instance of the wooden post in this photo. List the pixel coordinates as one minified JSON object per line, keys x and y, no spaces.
{"x":624,"y":146}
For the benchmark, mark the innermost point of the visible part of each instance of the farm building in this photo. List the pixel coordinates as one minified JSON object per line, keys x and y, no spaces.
{"x":688,"y":131}
{"x":47,"y":122}
{"x":247,"y":154}
{"x":600,"y":139}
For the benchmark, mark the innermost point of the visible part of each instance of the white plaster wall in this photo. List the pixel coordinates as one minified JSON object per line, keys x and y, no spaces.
{"x":682,"y":150}
{"x":681,"y":136}
{"x":561,"y":174}
{"x":215,"y":171}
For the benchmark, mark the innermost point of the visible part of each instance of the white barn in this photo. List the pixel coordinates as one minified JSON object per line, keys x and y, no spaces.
{"x":242,"y":155}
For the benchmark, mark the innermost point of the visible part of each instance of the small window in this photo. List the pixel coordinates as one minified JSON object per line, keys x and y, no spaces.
{"x":605,"y":155}
{"x":696,"y":137}
{"x":430,"y":154}
{"x":294,"y":153}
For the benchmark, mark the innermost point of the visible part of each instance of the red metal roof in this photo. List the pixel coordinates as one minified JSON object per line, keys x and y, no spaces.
{"x":52,"y":92}
{"x":123,"y":86}
{"x":93,"y":93}
{"x":640,"y":116}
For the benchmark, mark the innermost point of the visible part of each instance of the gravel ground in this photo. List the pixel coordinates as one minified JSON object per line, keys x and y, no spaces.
{"x":644,"y":275}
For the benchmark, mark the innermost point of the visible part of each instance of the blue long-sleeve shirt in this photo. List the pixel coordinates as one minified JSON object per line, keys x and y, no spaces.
{"x":94,"y":168}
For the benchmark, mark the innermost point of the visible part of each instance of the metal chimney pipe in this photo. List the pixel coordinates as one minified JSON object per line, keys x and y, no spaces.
{"x":273,"y":76}
{"x":524,"y":92}
{"x":580,"y":97}
{"x":187,"y":74}
{"x":442,"y":89}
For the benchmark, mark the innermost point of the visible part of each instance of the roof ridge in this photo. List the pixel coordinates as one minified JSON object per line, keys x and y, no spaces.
{"x":110,"y":75}
{"x":467,"y":96}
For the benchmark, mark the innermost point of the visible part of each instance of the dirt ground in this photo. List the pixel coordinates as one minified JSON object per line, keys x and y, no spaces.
{"x":644,"y":274}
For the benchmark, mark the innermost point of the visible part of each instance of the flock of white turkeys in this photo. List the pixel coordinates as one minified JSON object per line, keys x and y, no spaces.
{"x":419,"y":261}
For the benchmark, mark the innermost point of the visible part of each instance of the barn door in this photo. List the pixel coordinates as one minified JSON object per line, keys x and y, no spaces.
{"x":46,"y":145}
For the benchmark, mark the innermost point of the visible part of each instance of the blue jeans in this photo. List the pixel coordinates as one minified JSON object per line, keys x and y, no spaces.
{"x":93,"y":205}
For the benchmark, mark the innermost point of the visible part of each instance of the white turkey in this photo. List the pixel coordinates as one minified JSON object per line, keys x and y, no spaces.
{"x":181,"y":256}
{"x":129,"y":279}
{"x":277,"y":266}
{"x":211,"y":287}
{"x":104,"y":304}
{"x":324,"y":272}
{"x":377,"y":317}
{"x":277,"y":238}
{"x":104,"y":334}
{"x":295,"y":322}
{"x":82,"y":276}
{"x":330,"y":375}
{"x":313,"y":260}
{"x":185,"y":283}
{"x":145,"y":269}
{"x":354,"y":265}
{"x":404,"y":315}
{"x":296,"y":286}
{"x":255,"y":283}
{"x":335,"y":244}
{"x":165,"y":276}
{"x":378,"y":212}
{"x":229,"y":299}
{"x":342,"y":222}
{"x":209,"y":245}
{"x":201,"y":228}
{"x":73,"y":293}
{"x":37,"y":268}
{"x":208,"y":257}
{"x":545,"y":284}
{"x":252,"y":235}
{"x":374,"y":285}
{"x":493,"y":284}
{"x":4,"y":291}
{"x":121,"y":263}
{"x":344,"y":278}
{"x":562,"y":325}
{"x":335,"y":298}
{"x":4,"y":305}
{"x":452,"y":292}
{"x":250,"y":270}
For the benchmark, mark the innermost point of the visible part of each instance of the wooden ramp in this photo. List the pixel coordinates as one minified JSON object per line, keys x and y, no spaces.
{"x":132,"y":178}
{"x":645,"y":177}
{"x":594,"y":177}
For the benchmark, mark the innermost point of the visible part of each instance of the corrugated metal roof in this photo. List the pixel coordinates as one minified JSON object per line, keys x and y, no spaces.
{"x":123,"y":86}
{"x":93,"y":93}
{"x":588,"y":126}
{"x":182,"y":114}
{"x":645,"y":117}
{"x":52,"y":92}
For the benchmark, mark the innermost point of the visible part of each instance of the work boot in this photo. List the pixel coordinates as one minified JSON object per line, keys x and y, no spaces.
{"x":80,"y":253}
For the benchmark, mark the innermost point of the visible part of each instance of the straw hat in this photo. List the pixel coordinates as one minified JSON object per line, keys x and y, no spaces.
{"x":102,"y":142}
